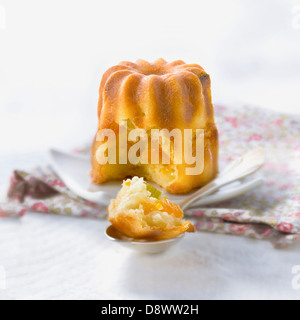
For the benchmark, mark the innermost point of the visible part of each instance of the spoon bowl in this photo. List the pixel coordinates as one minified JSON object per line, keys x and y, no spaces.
{"x":143,"y":246}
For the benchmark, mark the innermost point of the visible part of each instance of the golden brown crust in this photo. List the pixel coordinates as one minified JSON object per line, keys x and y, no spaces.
{"x":131,"y":227}
{"x":157,"y":95}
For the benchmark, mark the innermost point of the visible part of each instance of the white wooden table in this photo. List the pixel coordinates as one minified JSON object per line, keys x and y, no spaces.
{"x":56,"y":257}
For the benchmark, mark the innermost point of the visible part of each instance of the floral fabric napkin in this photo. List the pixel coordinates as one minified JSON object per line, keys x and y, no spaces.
{"x":270,"y":212}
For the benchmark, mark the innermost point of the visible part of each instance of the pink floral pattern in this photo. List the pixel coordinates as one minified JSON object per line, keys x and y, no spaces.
{"x":285,"y":227}
{"x":42,"y":191}
{"x":40,"y":207}
{"x":271,"y":212}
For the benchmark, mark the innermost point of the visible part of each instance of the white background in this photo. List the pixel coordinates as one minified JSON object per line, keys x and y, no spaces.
{"x":52,"y":56}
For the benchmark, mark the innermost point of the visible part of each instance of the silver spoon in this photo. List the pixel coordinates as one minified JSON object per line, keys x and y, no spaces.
{"x":238,"y":169}
{"x":144,"y":246}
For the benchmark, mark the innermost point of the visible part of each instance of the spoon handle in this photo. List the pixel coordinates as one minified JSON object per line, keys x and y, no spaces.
{"x":238,"y":169}
{"x":205,"y":191}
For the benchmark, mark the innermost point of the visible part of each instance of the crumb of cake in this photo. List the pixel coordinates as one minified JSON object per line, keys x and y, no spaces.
{"x":140,"y":212}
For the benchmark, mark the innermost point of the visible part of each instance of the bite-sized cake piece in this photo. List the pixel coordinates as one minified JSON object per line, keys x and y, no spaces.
{"x":139,"y":212}
{"x":157,"y":95}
